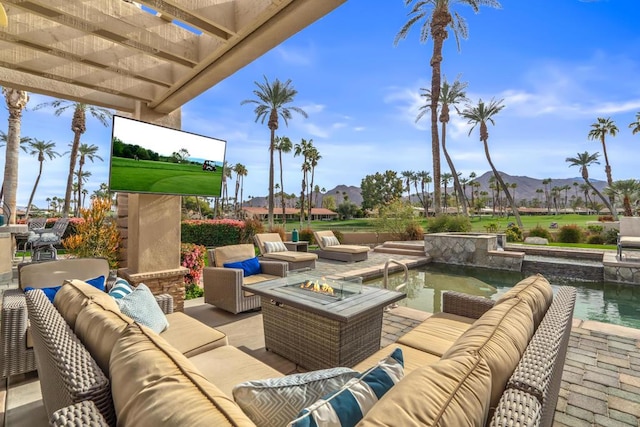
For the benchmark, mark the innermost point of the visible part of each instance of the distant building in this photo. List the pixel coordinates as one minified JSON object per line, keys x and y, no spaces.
{"x":262,"y":213}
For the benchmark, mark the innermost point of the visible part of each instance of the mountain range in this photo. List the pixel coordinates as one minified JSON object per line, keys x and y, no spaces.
{"x":525,"y":189}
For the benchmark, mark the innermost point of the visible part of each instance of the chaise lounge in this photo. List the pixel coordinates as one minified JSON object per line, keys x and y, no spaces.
{"x":272,"y":247}
{"x":330,"y":248}
{"x":629,"y":235}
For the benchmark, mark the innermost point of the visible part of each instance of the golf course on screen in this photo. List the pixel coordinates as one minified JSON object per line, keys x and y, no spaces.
{"x":147,"y":176}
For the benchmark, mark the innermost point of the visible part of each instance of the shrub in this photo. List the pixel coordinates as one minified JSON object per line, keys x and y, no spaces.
{"x":280,"y":230}
{"x":610,"y":236}
{"x":212,"y":232}
{"x":596,"y":239}
{"x":595,"y":229}
{"x":394,"y":218}
{"x":492,"y":227}
{"x":454,"y":223}
{"x":570,"y":234}
{"x":96,"y":234}
{"x":338,"y":235}
{"x":250,"y":229}
{"x":605,"y":218}
{"x":513,"y":233}
{"x":307,"y":235}
{"x":192,"y":257}
{"x":414,"y":231}
{"x":193,"y":291}
{"x":539,"y":231}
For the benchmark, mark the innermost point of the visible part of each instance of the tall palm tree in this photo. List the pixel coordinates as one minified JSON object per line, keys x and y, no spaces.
{"x":89,"y":152}
{"x":241,"y":172}
{"x":271,"y":104}
{"x":449,"y":95}
{"x":425,"y":178}
{"x":479,"y":115}
{"x":227,"y":173}
{"x":408,"y":178}
{"x":599,"y":131}
{"x":78,"y":127}
{"x":314,"y":157}
{"x":635,"y":125}
{"x":446,"y":177}
{"x":16,"y":102}
{"x":546,"y":182}
{"x":584,"y":160}
{"x":437,"y":18}
{"x":627,"y":189}
{"x":24,"y":141}
{"x":41,"y":149}
{"x":303,"y":149}
{"x":283,"y":145}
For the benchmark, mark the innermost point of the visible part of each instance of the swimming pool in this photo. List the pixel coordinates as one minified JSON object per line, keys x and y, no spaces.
{"x":613,"y":303}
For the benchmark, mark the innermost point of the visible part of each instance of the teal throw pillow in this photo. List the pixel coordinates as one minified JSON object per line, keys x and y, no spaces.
{"x":120,"y":289}
{"x":249,"y":266}
{"x":347,"y":406}
{"x":141,"y":306}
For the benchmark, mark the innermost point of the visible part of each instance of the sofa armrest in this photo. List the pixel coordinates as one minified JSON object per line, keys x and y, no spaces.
{"x":83,"y":413}
{"x":274,"y":268}
{"x":465,"y":305}
{"x":165,"y":301}
{"x":15,"y":357}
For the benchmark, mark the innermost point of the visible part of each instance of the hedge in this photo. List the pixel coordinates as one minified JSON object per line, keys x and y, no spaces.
{"x":212,"y":232}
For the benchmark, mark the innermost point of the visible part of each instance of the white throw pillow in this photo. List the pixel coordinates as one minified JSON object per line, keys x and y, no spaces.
{"x":275,"y":402}
{"x":141,"y":306}
{"x":274,"y":247}
{"x":330,"y":241}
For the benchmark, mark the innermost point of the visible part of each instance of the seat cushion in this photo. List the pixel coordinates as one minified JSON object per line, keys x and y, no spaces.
{"x":630,"y":242}
{"x":228,"y":366}
{"x":536,"y":291}
{"x":413,"y":358}
{"x":500,"y":337}
{"x":99,"y":328}
{"x":349,"y":249}
{"x":256,"y":278}
{"x":233,"y":253}
{"x":437,"y":334}
{"x":291,"y":256}
{"x":191,"y":337}
{"x":153,"y":384}
{"x":452,"y":392}
{"x":75,"y":294}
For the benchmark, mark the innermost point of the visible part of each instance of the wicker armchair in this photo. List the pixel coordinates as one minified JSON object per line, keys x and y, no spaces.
{"x":223,"y":286}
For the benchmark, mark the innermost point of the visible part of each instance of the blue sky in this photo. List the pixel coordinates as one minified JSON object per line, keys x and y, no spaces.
{"x":558,"y":65}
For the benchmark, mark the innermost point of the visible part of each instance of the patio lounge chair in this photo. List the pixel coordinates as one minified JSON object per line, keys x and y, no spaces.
{"x":33,"y":224}
{"x":44,"y":241}
{"x":272,"y":247}
{"x":223,"y":285}
{"x":330,"y":248}
{"x":629,"y":235}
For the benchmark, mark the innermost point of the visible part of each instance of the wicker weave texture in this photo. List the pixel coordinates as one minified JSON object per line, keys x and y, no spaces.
{"x":80,"y":414}
{"x":16,"y":357}
{"x":67,"y":372}
{"x":165,"y":301}
{"x":315,"y":342}
{"x":465,"y":305}
{"x":342,"y":256}
{"x":517,"y":409}
{"x":223,"y":288}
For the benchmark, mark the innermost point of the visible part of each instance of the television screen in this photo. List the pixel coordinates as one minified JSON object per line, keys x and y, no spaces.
{"x":148,"y":158}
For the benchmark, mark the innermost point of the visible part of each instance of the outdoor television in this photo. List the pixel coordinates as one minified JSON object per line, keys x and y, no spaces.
{"x":153,"y":159}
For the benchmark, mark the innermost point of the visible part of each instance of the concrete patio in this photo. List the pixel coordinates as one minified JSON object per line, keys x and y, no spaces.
{"x":601,"y":380}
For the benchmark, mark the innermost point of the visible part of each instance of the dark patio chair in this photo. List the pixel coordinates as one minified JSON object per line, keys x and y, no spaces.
{"x":44,"y":246}
{"x":33,"y":224}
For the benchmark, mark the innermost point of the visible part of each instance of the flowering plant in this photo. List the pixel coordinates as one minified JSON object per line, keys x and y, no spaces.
{"x":192,"y":257}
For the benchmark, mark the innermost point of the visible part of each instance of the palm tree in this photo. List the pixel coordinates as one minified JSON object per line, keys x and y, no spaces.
{"x":272,"y":98}
{"x":303,"y":149}
{"x":547,"y":196}
{"x":283,"y":145}
{"x":314,"y":157}
{"x":425,"y":178}
{"x":241,"y":172}
{"x":599,"y":131}
{"x":481,"y":114}
{"x":449,"y":95}
{"x":446,"y":177}
{"x":24,"y":141}
{"x":584,"y":160}
{"x":627,"y":189}
{"x":635,"y":126}
{"x":41,"y":149}
{"x":408,"y":177}
{"x":78,"y":127}
{"x":437,"y":17}
{"x":227,"y":173}
{"x":16,"y":102}
{"x":86,"y":151}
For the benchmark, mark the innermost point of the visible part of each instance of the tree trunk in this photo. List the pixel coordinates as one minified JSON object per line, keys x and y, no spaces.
{"x":16,"y":102}
{"x":606,"y":202}
{"x":514,"y":208}
{"x":459,"y":191}
{"x":33,"y":192}
{"x":271,"y":201}
{"x":284,"y":211}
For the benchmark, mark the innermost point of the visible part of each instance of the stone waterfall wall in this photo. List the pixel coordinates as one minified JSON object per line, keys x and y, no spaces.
{"x":478,"y":250}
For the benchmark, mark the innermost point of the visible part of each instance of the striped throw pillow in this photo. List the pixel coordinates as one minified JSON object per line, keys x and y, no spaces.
{"x":347,"y":406}
{"x":274,"y":247}
{"x":120,"y":289}
{"x":330,"y":241}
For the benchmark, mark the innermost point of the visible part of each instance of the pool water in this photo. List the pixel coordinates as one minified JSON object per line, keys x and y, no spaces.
{"x":604,"y":302}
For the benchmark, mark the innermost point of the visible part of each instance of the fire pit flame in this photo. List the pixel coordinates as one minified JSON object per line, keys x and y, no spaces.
{"x":321,"y":288}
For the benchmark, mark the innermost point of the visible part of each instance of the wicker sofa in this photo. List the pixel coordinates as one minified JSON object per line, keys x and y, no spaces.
{"x":478,"y":362}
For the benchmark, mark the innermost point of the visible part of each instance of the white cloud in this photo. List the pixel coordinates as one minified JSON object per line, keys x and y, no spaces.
{"x":313,"y":108}
{"x":293,"y":56}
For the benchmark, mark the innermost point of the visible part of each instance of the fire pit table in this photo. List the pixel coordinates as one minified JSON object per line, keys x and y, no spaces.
{"x":322,"y":322}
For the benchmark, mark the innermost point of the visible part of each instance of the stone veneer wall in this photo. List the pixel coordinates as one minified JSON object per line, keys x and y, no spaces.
{"x":479,"y":250}
{"x":169,"y":282}
{"x":621,"y":271}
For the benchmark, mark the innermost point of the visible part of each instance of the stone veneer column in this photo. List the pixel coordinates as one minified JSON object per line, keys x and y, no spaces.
{"x":150,"y":228}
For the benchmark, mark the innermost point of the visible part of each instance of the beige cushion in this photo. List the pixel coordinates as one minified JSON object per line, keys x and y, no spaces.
{"x":99,"y":328}
{"x":500,"y":336}
{"x":54,"y":273}
{"x":260,"y":238}
{"x":227,"y":366}
{"x":256,"y":278}
{"x":630,"y":242}
{"x":75,"y":294}
{"x":453,"y":392}
{"x":155,"y":385}
{"x":437,"y":334}
{"x":536,"y":291}
{"x":291,"y":256}
{"x":233,"y":253}
{"x":191,"y":337}
{"x":318,"y":235}
{"x":349,"y":249}
{"x":413,"y":358}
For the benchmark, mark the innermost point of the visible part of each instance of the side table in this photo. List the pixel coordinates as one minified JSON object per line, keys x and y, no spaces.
{"x":300,"y":246}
